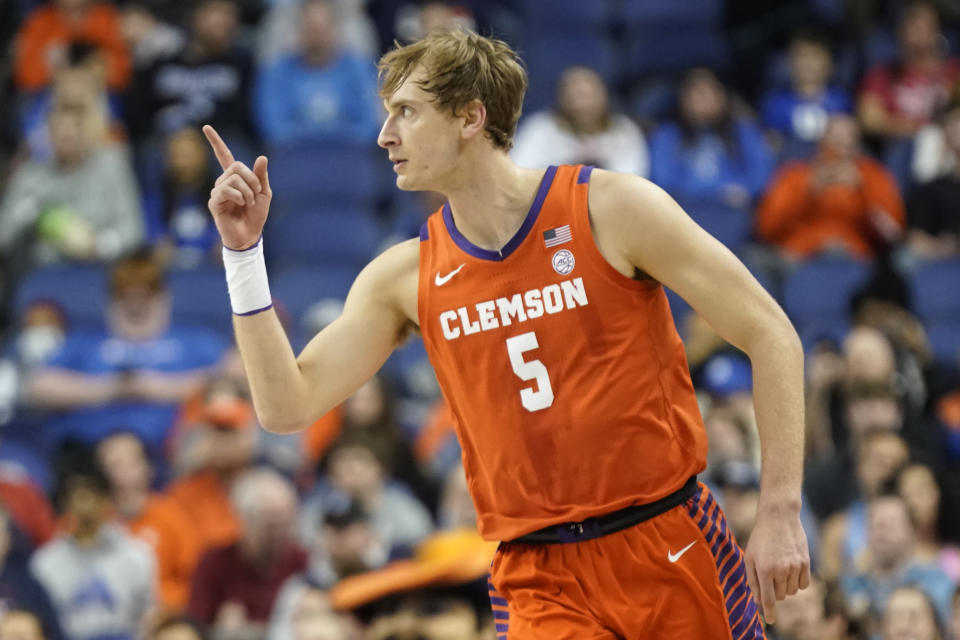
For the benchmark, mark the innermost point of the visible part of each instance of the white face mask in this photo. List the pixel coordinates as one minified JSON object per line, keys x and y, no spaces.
{"x":36,"y":345}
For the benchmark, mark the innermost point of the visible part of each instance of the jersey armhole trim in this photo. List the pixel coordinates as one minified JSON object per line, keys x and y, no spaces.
{"x":583,"y":221}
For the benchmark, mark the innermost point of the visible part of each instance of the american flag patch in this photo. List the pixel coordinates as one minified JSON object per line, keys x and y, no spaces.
{"x":557,"y":235}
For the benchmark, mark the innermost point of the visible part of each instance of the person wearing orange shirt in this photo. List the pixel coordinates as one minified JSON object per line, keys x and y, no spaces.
{"x":213,"y":452}
{"x":841,"y":200}
{"x":42,"y":42}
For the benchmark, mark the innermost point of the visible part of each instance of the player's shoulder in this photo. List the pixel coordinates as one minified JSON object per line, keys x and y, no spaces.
{"x":399,"y":258}
{"x":393,"y":276}
{"x":614,"y":196}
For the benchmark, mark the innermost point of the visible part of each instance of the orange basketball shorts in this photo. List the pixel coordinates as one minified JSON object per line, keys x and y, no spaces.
{"x":677,"y":576}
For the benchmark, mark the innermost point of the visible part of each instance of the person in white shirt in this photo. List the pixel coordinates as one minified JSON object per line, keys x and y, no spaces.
{"x":581,"y":128}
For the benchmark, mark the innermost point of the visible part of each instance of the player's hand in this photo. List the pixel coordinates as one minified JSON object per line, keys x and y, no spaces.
{"x":240,"y":199}
{"x":777,"y":559}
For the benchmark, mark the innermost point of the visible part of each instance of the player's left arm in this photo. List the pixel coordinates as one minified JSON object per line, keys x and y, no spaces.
{"x":638,"y":226}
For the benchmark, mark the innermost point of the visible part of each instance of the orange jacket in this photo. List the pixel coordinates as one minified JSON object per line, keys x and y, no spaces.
{"x":168,"y":529}
{"x":802,"y":221}
{"x":206,"y":501}
{"x":47,"y":30}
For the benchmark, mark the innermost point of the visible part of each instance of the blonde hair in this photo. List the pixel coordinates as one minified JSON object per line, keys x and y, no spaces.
{"x":462,"y":66}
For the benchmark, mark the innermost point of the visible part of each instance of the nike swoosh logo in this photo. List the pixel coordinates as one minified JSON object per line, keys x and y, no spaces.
{"x":442,"y":280}
{"x":673,"y":557}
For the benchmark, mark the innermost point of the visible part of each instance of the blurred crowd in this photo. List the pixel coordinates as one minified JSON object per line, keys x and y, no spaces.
{"x":819,"y":140}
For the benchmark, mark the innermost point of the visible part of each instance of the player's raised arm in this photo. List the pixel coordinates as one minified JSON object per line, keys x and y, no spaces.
{"x":640,"y":225}
{"x":290,"y":393}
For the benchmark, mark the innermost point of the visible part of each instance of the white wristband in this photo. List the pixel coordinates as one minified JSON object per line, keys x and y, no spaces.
{"x":247,"y":279}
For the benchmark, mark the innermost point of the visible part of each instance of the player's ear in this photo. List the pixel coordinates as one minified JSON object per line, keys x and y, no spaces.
{"x":474,"y":115}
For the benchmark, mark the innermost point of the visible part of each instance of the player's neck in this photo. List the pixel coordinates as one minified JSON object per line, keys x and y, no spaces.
{"x":490,"y":202}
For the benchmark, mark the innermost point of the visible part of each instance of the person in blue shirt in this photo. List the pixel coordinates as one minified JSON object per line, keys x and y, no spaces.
{"x":799,"y":110}
{"x":709,"y":153}
{"x":320,"y":93}
{"x":133,"y":374}
{"x":893,"y":563}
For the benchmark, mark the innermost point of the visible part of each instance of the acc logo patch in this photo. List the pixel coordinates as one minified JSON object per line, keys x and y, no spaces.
{"x":563,"y":261}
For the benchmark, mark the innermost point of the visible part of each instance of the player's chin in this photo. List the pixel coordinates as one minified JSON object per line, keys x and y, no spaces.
{"x":407,"y":183}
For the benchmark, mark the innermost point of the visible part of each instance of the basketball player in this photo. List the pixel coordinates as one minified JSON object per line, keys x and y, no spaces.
{"x":539,"y":296}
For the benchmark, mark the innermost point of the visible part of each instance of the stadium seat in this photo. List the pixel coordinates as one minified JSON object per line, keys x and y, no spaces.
{"x":936,"y":291}
{"x":319,"y":238}
{"x":945,"y":341}
{"x":730,"y":226}
{"x":296,"y":288}
{"x":816,"y":296}
{"x":326,"y":175}
{"x":567,"y":15}
{"x":80,"y":289}
{"x":675,"y":48}
{"x":653,"y":14}
{"x":200,"y":298}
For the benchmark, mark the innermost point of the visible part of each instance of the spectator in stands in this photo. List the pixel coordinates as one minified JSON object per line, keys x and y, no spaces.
{"x":159,"y":521}
{"x":176,"y":204}
{"x":308,"y":615}
{"x":799,"y":111}
{"x":371,"y":411}
{"x":878,"y":458}
{"x":209,"y":81}
{"x":810,"y":614}
{"x":280,"y":27}
{"x":729,"y":436}
{"x":710,"y":153}
{"x":357,"y":472}
{"x":351,"y":544}
{"x":341,"y":544}
{"x":910,"y":615}
{"x":582,"y":128}
{"x":100,"y":578}
{"x":216,"y":445}
{"x":235,"y":587}
{"x":897,"y":99}
{"x":920,"y":490}
{"x":320,"y":93}
{"x":134,"y":374}
{"x":19,"y":590}
{"x":738,"y":483}
{"x":840,"y":201}
{"x":18,"y":624}
{"x":82,"y":204}
{"x":83,"y":79}
{"x":892,"y":563}
{"x":47,"y":33}
{"x":42,"y":329}
{"x":933,"y":219}
{"x":148,"y":38}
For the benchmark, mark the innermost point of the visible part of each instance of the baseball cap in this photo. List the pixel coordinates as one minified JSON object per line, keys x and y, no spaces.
{"x":726,"y":374}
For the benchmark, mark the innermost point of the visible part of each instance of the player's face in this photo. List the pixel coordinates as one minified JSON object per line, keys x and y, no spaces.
{"x":423,"y":141}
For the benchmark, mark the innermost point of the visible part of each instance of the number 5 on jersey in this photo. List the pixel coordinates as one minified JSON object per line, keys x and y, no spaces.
{"x":530,"y":370}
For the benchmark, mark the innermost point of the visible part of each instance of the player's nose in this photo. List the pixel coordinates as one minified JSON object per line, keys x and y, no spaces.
{"x":388,"y":135}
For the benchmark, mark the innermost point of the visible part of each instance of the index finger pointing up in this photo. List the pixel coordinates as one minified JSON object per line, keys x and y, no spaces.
{"x":224,"y":157}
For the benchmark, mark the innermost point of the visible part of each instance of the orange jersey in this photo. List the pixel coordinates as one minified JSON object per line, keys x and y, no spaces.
{"x":567,"y":380}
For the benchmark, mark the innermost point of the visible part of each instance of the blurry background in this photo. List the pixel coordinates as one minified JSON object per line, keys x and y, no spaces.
{"x":819,"y":140}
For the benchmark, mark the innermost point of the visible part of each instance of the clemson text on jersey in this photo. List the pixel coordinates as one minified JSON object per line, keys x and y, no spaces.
{"x":520,"y":307}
